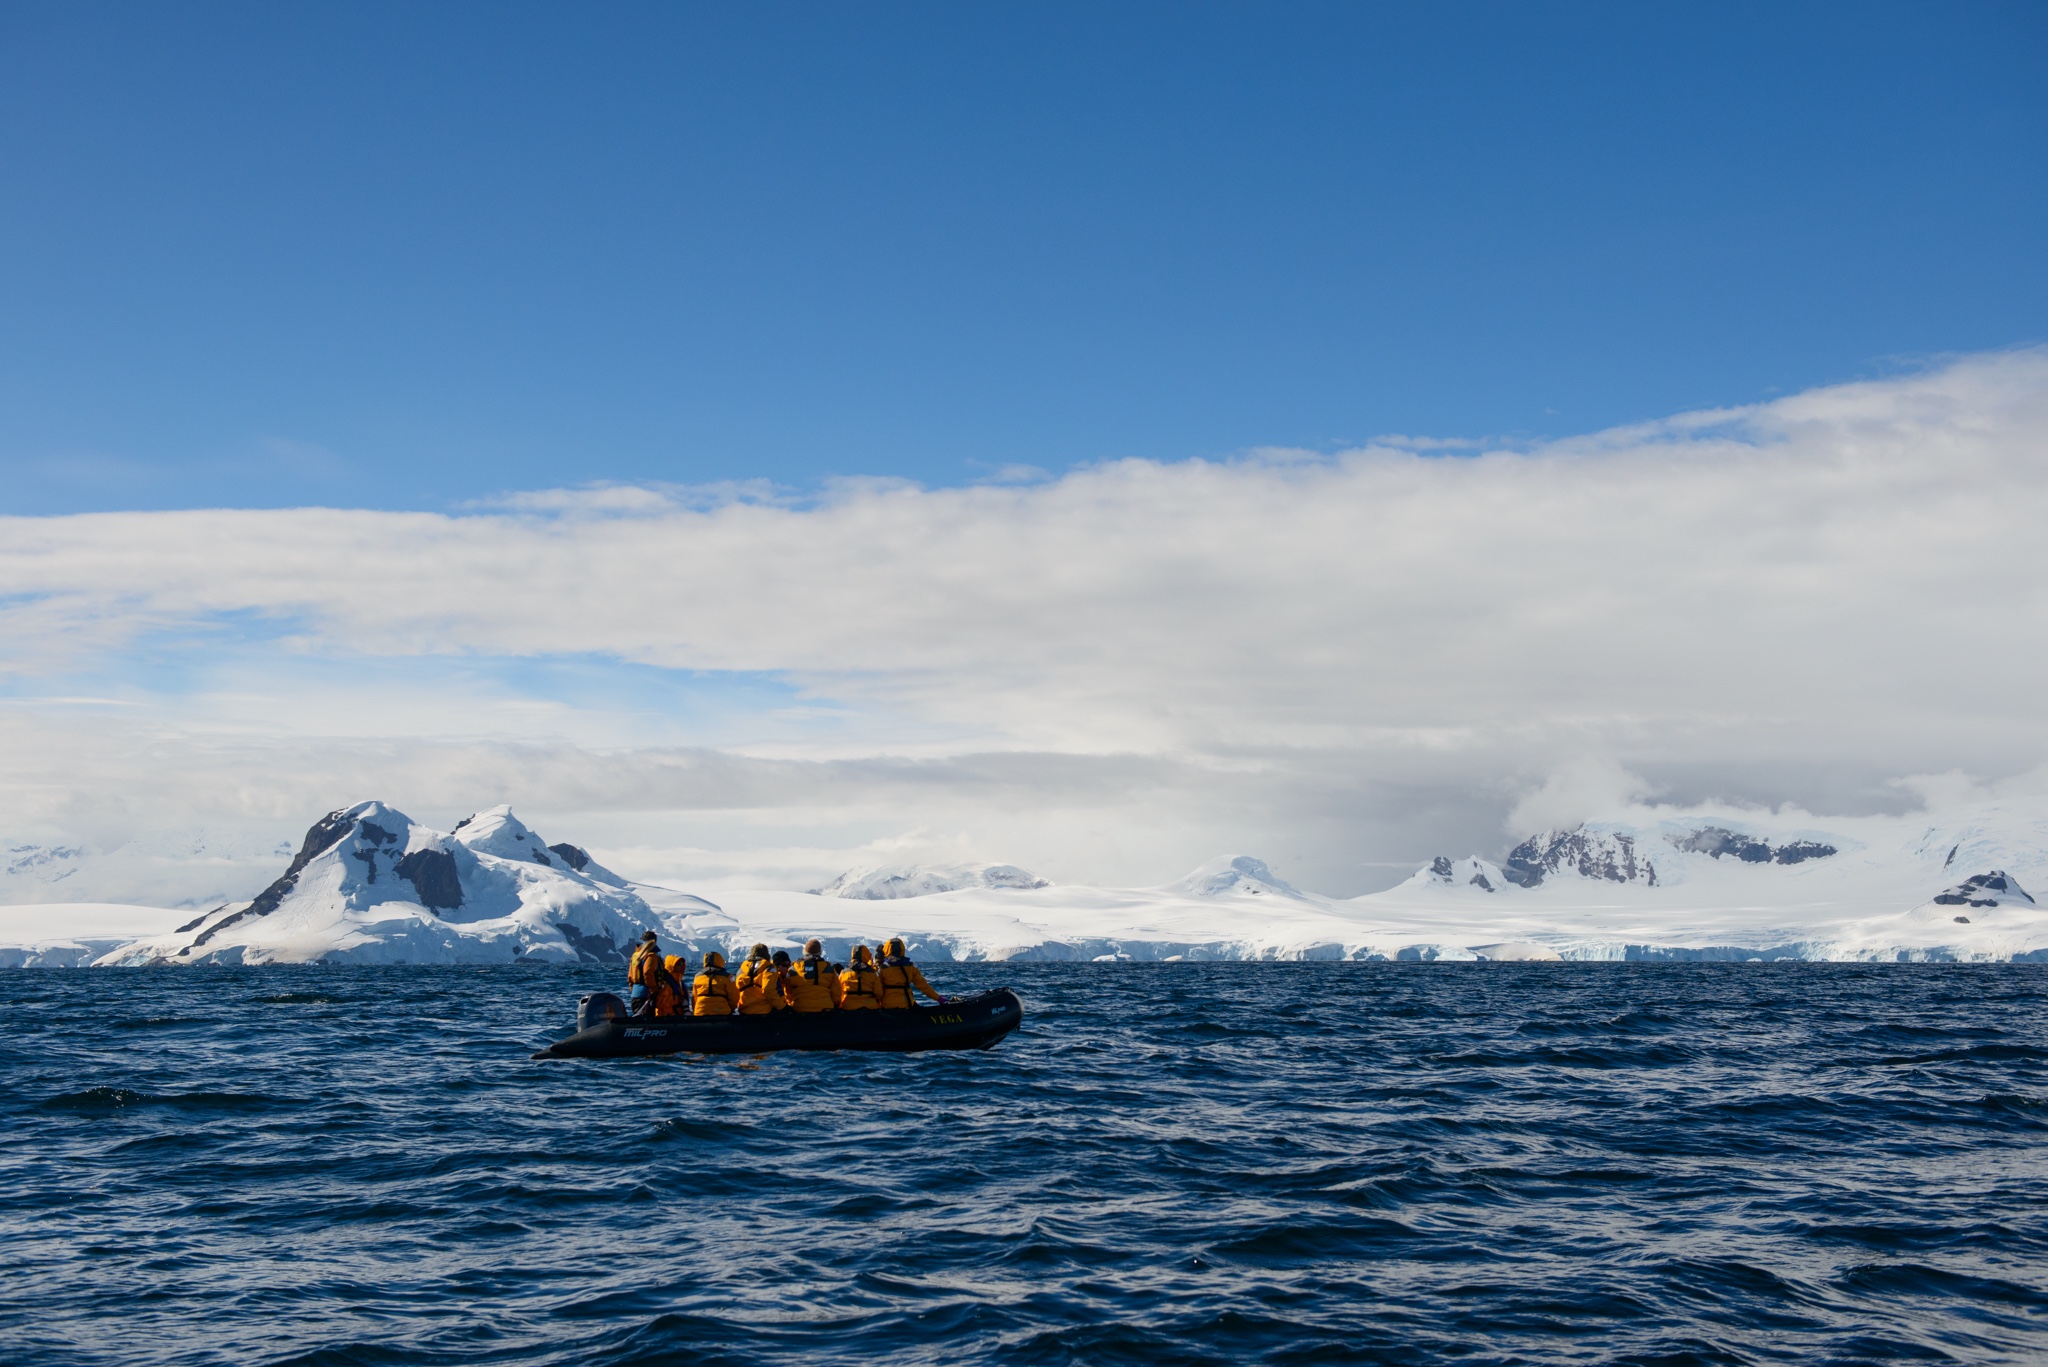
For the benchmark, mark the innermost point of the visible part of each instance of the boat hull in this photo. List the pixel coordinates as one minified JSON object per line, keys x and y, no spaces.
{"x":975,"y":1022}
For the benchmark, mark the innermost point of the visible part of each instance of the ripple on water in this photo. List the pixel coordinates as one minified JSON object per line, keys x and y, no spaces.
{"x":121,"y":1098}
{"x":1270,"y":1163}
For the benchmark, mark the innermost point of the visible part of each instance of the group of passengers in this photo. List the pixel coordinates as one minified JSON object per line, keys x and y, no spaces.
{"x":879,"y":980}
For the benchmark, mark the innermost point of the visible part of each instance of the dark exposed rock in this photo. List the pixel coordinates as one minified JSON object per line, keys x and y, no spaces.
{"x":325,"y":834}
{"x":369,"y":861}
{"x":1982,"y":890}
{"x":1010,"y":876}
{"x":575,"y":856}
{"x":1612,"y":857}
{"x":432,"y":875}
{"x":1716,"y":841}
{"x":1523,"y":866}
{"x":540,"y":858}
{"x":1960,"y":920}
{"x":1952,"y":854}
{"x":376,"y":834}
{"x":1441,"y":867}
{"x":198,"y":920}
{"x":591,"y":949}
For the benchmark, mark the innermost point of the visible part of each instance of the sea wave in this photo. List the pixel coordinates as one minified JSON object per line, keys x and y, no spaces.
{"x":1170,"y":1163}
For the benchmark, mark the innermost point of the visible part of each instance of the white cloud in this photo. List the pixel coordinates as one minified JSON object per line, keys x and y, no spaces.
{"x":1796,"y":601}
{"x":1583,"y":786}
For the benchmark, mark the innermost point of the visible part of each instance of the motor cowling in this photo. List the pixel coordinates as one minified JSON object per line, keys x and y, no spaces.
{"x":597,"y":1008}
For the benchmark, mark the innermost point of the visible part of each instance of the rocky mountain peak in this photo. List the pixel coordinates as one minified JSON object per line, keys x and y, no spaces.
{"x":1465,"y":873}
{"x":1608,"y":855}
{"x":1996,"y":888}
{"x":1718,"y":841}
{"x":497,"y":831}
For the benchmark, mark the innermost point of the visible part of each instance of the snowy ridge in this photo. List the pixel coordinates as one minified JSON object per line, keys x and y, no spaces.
{"x":369,"y":885}
{"x":1703,"y":884}
{"x":1734,"y":884}
{"x":889,"y":883}
{"x":1234,"y":875}
{"x":76,"y":934}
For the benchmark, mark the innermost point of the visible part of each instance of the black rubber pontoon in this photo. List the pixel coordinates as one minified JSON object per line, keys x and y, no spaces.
{"x":975,"y":1022}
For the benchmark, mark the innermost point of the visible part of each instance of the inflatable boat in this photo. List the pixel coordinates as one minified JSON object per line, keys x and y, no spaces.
{"x":604,"y":1030}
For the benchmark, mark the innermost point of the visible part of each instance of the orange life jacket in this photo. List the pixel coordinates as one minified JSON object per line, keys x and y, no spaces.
{"x":813,"y":984}
{"x":761,"y":988}
{"x":899,"y":975}
{"x":665,"y":994}
{"x":860,"y":988}
{"x":714,"y":993}
{"x":668,"y":997}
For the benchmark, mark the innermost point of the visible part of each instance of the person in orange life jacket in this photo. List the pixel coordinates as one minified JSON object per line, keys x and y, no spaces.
{"x":814,"y":981}
{"x":900,"y":977}
{"x":644,"y":953}
{"x":670,"y":996}
{"x":760,"y":982}
{"x":655,"y":992}
{"x":860,"y":987}
{"x":714,"y":993}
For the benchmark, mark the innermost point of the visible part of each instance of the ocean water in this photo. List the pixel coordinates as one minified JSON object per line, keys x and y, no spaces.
{"x":1177,"y":1163}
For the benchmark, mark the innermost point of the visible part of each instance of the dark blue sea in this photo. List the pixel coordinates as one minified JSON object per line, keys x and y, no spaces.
{"x":1174,"y":1163}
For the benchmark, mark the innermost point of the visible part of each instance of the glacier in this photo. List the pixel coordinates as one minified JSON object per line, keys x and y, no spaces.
{"x":891,"y":882}
{"x":369,"y":885}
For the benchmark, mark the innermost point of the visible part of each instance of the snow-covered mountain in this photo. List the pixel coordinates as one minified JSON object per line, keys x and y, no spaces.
{"x":1984,"y":890}
{"x":1605,"y":854}
{"x":887,"y":883}
{"x":1730,"y":884}
{"x":1704,"y":883}
{"x":1468,"y":873}
{"x":370,"y":885}
{"x":1234,"y":875}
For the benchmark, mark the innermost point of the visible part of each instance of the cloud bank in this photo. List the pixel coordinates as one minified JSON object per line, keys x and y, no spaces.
{"x":1346,"y":661}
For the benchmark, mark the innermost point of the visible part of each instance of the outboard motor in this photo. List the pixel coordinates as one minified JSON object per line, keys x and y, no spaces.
{"x":597,"y":1008}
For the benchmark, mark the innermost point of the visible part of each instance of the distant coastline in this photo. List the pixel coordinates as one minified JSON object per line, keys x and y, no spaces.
{"x":368,"y":885}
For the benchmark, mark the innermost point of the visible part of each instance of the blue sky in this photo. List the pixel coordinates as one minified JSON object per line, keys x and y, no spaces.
{"x":1066,"y":342}
{"x":408,"y":256}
